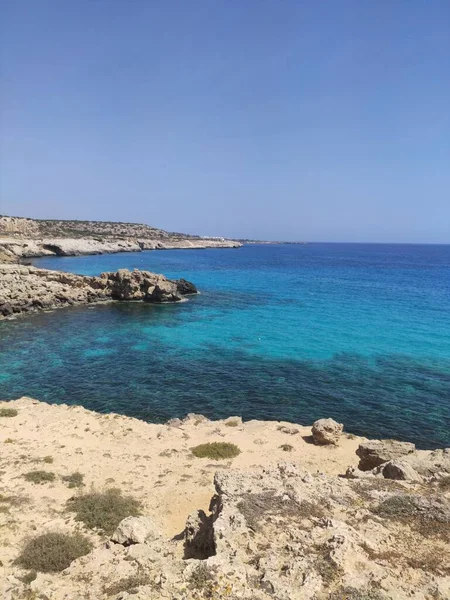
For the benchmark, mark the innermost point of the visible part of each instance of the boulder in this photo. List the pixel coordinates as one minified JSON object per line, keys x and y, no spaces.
{"x":135,"y":530}
{"x":374,"y":453}
{"x":326,"y":431}
{"x":399,"y":470}
{"x":185,"y":287}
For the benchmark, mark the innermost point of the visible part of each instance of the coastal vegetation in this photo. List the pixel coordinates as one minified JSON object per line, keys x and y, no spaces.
{"x":216,"y":450}
{"x":103,"y":510}
{"x":38,"y":477}
{"x":53,"y":551}
{"x":8,"y":412}
{"x":74,"y":480}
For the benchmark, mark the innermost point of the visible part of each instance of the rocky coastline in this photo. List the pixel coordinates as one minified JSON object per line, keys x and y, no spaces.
{"x":291,"y":512}
{"x":22,"y":238}
{"x":25,"y":289}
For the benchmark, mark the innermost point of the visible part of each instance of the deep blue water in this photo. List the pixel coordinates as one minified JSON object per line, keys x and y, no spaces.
{"x":357,"y":332}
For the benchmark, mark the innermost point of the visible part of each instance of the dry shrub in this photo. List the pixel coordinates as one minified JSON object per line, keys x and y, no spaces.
{"x":103,"y":510}
{"x":8,"y":412}
{"x":53,"y":552}
{"x":74,"y":480}
{"x":39,"y":476}
{"x":216,"y":450}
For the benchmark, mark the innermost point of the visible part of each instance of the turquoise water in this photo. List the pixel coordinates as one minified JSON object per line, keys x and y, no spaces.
{"x":357,"y":332}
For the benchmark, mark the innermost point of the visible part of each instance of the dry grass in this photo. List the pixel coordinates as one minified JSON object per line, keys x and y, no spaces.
{"x":231,"y":424}
{"x":216,"y":450}
{"x":53,"y":552}
{"x":39,"y":477}
{"x":258,"y":507}
{"x":103,"y":510}
{"x":8,"y":412}
{"x":48,"y":459}
{"x":129,"y":584}
{"x":427,"y":516}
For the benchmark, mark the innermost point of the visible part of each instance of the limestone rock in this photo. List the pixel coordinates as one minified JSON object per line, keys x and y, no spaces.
{"x":135,"y":530}
{"x":374,"y":453}
{"x":199,"y":536}
{"x":27,"y":289}
{"x":326,"y":431}
{"x":400,"y":470}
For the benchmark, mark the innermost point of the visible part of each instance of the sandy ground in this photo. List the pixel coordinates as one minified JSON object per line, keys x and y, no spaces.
{"x":152,"y":462}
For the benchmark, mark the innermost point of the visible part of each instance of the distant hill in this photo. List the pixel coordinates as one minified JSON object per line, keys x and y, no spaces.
{"x":59,"y":228}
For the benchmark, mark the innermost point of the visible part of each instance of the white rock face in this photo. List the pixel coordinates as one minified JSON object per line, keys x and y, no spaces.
{"x":399,"y":470}
{"x":135,"y":530}
{"x":326,"y":431}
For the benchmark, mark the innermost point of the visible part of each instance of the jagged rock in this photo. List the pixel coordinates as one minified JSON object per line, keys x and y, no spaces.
{"x":135,"y":530}
{"x":199,"y":536}
{"x":374,"y":453}
{"x":195,"y":418}
{"x":400,"y":470}
{"x":432,"y":464}
{"x":326,"y":431}
{"x":25,"y":289}
{"x":185,"y":287}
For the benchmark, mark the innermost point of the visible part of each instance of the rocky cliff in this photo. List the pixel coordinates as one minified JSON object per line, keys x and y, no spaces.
{"x":286,"y":516}
{"x":28,"y":289}
{"x":27,"y":238}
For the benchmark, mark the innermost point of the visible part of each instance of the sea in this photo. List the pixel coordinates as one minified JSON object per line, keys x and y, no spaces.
{"x":356,"y":332}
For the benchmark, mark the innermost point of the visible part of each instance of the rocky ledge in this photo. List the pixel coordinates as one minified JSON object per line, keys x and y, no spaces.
{"x":276,"y":519}
{"x":26,"y":289}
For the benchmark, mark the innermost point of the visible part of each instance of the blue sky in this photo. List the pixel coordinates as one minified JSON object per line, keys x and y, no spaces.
{"x":311,"y":120}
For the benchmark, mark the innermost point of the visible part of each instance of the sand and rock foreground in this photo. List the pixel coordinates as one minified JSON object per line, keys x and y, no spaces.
{"x":285,"y":519}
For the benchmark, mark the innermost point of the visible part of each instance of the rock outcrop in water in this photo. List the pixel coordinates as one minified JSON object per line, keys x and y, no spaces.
{"x":264,"y":525}
{"x":26,"y":289}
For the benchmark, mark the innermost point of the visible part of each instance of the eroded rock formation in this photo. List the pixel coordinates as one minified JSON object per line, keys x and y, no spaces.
{"x":27,"y":289}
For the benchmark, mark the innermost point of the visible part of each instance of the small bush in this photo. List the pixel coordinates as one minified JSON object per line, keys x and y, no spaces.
{"x":74,"y":480}
{"x":286,"y":447}
{"x":103,"y":510}
{"x":8,"y":412}
{"x":216,"y":450}
{"x":9,"y":441}
{"x":231,"y":424}
{"x":48,"y":459}
{"x":53,"y":552}
{"x":39,"y":476}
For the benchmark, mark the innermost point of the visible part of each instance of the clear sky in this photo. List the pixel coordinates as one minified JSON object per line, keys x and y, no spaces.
{"x":311,"y":120}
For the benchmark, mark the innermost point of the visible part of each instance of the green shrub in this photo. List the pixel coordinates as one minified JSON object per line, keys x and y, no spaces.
{"x":39,"y":476}
{"x":216,"y":450}
{"x":8,"y":412}
{"x":53,"y":552}
{"x":74,"y":479}
{"x":103,"y":510}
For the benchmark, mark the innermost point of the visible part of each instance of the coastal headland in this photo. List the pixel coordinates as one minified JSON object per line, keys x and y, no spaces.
{"x":22,"y":238}
{"x":199,"y":509}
